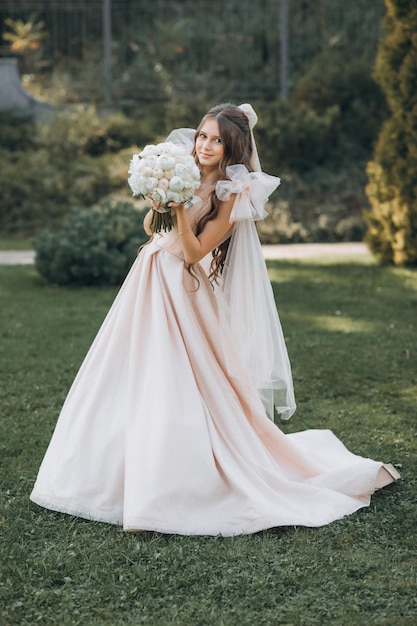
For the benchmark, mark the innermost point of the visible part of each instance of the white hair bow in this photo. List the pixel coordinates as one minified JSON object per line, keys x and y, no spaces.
{"x":249,"y":111}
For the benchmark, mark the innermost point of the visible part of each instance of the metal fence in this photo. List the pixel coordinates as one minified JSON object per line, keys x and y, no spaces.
{"x":232,"y":47}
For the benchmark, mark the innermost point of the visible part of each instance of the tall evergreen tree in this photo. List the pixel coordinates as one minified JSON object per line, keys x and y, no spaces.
{"x":392,"y":188}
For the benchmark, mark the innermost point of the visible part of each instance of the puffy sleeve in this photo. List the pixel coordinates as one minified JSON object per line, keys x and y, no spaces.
{"x":246,"y":300}
{"x":252,"y":188}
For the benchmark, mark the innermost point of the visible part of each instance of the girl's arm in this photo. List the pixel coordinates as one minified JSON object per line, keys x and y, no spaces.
{"x":146,"y":223}
{"x":214,"y":232}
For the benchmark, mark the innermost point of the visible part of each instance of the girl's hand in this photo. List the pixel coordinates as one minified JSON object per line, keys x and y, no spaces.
{"x":156,"y":207}
{"x":161,"y":208}
{"x":174,"y":206}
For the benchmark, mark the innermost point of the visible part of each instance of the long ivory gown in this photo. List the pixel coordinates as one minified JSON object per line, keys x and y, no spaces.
{"x":156,"y":435}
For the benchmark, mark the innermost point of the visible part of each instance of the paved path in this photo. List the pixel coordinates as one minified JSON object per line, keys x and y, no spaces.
{"x":22,"y":257}
{"x":282,"y":251}
{"x":311,"y":250}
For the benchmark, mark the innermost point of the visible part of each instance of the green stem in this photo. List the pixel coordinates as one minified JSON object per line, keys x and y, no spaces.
{"x":161,"y":221}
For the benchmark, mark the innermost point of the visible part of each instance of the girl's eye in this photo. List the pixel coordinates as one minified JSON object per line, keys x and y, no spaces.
{"x":218,"y":140}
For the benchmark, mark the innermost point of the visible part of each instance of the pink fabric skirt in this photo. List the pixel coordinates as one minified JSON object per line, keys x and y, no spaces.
{"x":155,"y":435}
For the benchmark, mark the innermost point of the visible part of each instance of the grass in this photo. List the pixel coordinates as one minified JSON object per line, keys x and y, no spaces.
{"x":351,"y":330}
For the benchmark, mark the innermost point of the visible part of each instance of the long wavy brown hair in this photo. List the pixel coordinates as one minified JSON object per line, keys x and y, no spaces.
{"x":235,"y":135}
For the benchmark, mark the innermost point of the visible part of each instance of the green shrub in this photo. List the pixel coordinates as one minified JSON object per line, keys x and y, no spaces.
{"x":71,"y":133}
{"x":295,"y":137}
{"x":38,"y":190}
{"x":336,"y":78}
{"x":139,"y":129}
{"x":332,"y":118}
{"x":81,"y":130}
{"x":73,"y":159}
{"x":95,"y":246}
{"x":321,"y":204}
{"x":16,"y":133}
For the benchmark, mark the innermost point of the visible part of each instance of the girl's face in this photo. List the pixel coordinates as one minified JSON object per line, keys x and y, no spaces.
{"x":209,"y":147}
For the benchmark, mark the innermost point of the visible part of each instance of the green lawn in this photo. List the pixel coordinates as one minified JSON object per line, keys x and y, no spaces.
{"x":351,"y":329}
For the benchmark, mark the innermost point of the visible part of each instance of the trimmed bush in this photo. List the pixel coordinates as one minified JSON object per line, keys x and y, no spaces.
{"x":95,"y":246}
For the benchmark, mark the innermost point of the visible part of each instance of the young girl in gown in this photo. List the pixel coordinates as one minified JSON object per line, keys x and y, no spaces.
{"x":167,"y":426}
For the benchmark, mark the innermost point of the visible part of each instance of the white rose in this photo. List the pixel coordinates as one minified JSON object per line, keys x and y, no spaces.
{"x":133,"y":164}
{"x":176,"y":184}
{"x":172,"y":196}
{"x":146,"y":171}
{"x":137,"y":184}
{"x":181,"y":170}
{"x":151,"y":161}
{"x":169,"y":174}
{"x":149,"y":150}
{"x":195,"y":172}
{"x":166,"y":162}
{"x":159,"y":196}
{"x":163,"y":183}
{"x":151,"y":183}
{"x":157,"y":172}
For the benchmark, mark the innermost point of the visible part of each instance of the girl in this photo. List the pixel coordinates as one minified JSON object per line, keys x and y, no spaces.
{"x":167,"y":425}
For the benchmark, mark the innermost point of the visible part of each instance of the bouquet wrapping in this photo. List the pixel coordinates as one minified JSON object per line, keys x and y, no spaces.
{"x":165,"y":173}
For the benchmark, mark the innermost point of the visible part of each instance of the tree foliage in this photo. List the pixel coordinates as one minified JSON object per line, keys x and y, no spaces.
{"x":392,"y":188}
{"x":74,"y":159}
{"x":171,"y":61}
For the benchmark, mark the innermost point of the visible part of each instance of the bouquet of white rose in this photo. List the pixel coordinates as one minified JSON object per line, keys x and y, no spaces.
{"x":165,"y":173}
